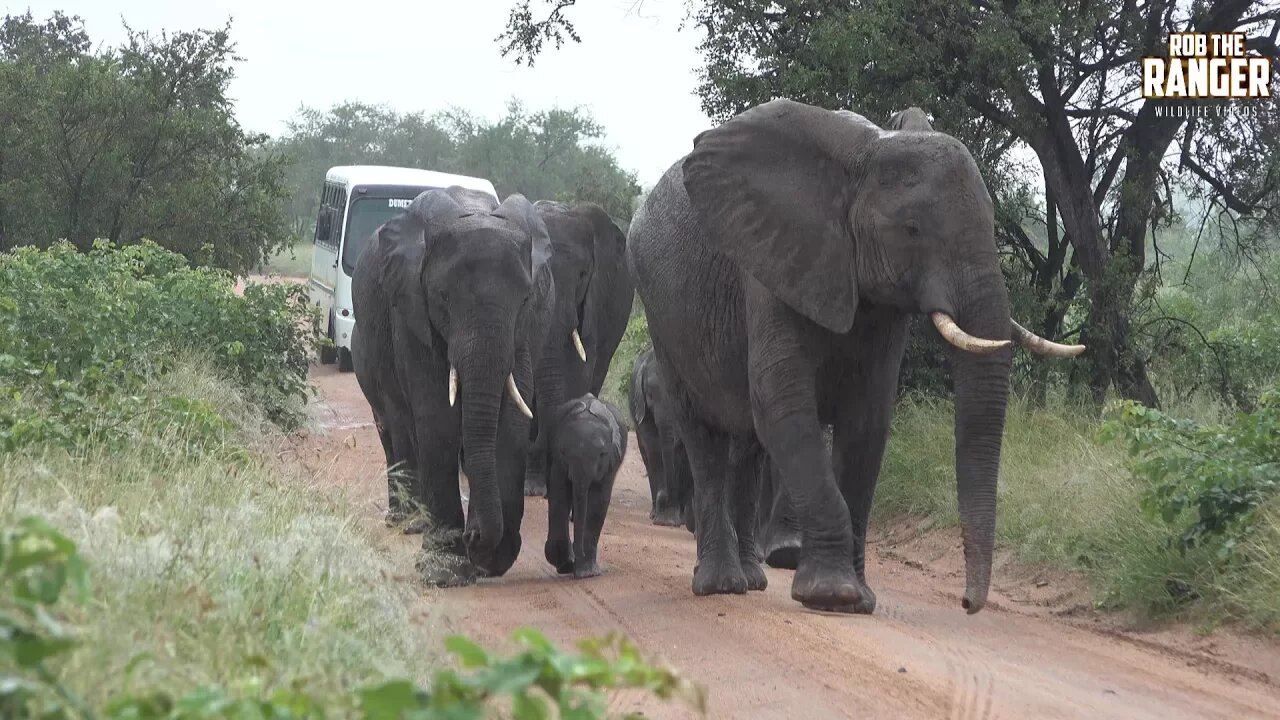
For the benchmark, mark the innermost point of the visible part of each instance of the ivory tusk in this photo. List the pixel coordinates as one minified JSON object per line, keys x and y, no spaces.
{"x":514,"y":392}
{"x":577,"y":345}
{"x":952,"y":333}
{"x":453,"y":385}
{"x":1041,"y":346}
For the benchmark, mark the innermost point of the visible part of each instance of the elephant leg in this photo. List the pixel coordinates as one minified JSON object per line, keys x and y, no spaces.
{"x":444,"y":560}
{"x":681,"y":479}
{"x":592,"y":506}
{"x":718,"y":569}
{"x":745,"y":497}
{"x":861,"y":430}
{"x":535,"y":479}
{"x":784,"y":405}
{"x":558,"y":549}
{"x":651,"y":454}
{"x":782,"y":535}
{"x":668,"y":511}
{"x":512,"y":457}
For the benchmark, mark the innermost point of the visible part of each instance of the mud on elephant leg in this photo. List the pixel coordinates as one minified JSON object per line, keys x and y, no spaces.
{"x":443,"y":561}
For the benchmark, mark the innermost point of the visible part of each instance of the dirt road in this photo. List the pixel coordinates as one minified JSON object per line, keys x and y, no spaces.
{"x":1035,"y":652}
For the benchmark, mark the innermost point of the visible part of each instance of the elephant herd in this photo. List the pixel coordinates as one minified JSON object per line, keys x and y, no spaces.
{"x":778,"y":264}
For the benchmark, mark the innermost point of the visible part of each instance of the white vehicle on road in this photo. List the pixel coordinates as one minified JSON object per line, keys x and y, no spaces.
{"x":354,"y":201}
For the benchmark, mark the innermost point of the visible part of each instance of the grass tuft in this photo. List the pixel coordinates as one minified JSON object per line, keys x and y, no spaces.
{"x":204,"y":565}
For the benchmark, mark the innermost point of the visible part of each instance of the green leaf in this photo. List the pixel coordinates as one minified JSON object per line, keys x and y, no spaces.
{"x":389,"y":701}
{"x":471,"y":654}
{"x":525,"y":706}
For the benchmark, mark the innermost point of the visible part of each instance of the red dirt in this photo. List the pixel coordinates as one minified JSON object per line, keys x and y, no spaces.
{"x":1036,"y":651}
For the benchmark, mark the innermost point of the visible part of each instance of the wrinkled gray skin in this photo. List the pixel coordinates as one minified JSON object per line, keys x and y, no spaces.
{"x":455,"y":280}
{"x":594,"y":293}
{"x":665,"y":462}
{"x":778,"y":264}
{"x":590,"y":443}
{"x":779,"y":530}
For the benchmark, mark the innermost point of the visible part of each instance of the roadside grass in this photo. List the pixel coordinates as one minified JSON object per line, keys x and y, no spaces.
{"x":634,"y":342}
{"x":215,"y":565}
{"x":1068,"y":501}
{"x":293,"y":261}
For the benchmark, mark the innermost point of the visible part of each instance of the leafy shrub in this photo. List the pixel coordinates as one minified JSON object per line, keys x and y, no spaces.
{"x":37,"y":563}
{"x":1206,"y":481}
{"x":81,"y":333}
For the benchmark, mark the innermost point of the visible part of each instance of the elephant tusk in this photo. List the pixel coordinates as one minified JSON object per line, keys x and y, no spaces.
{"x":1041,"y":346}
{"x":577,"y":345}
{"x":952,"y":333}
{"x":453,"y":385}
{"x":514,"y":392}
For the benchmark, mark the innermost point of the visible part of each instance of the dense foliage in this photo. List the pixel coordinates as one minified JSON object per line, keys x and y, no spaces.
{"x":38,"y":563}
{"x":131,"y":142}
{"x":546,"y":155}
{"x":84,"y":332}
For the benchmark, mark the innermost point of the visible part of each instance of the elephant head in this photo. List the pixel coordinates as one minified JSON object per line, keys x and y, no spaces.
{"x":468,"y":296}
{"x":589,"y":249}
{"x":827,"y":211}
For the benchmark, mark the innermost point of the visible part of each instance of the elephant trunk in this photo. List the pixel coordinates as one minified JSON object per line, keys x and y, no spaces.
{"x":484,"y":364}
{"x":981,"y":396}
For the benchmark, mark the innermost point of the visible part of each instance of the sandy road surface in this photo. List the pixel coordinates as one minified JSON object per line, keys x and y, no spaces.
{"x":1033,"y":653}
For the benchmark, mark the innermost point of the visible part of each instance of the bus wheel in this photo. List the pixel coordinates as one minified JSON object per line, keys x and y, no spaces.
{"x":329,"y":353}
{"x":344,"y":360}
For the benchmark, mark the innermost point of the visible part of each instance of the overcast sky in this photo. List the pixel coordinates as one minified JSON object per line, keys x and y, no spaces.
{"x":635,"y":69}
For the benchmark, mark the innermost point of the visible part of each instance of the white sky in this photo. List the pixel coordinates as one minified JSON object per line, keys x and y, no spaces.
{"x":635,"y":70}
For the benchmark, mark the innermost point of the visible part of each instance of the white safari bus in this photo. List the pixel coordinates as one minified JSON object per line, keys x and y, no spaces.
{"x":354,"y":202}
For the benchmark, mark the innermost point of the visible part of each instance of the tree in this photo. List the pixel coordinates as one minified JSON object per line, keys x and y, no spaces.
{"x":1057,"y":77}
{"x":133,"y":142}
{"x":550,"y":154}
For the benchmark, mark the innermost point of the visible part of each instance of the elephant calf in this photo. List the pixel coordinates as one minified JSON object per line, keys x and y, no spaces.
{"x":589,"y":443}
{"x":670,"y":480}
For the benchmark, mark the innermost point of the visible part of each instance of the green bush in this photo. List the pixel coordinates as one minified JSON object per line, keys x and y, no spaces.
{"x":37,"y":563}
{"x":1207,"y":482}
{"x":82,"y":332}
{"x":634,"y":341}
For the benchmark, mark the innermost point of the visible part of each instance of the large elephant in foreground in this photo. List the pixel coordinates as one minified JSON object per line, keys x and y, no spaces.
{"x":778,"y":264}
{"x":452,"y":298}
{"x":594,"y":294}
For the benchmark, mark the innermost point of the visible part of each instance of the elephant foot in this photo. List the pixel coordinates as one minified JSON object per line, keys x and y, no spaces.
{"x":829,"y":587}
{"x":440,"y":569}
{"x":783,"y":550}
{"x":668,"y":517}
{"x":560,"y":556}
{"x":754,"y":572}
{"x":723,"y":578}
{"x":586,"y":569}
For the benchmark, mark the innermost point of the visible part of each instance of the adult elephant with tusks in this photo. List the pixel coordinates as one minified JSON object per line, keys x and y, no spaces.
{"x":452,"y":299}
{"x":778,"y":264}
{"x":594,"y":293}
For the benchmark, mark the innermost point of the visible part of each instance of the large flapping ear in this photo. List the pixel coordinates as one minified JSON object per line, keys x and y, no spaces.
{"x":517,"y":209}
{"x":773,"y":188}
{"x":912,"y":118}
{"x":609,"y":268}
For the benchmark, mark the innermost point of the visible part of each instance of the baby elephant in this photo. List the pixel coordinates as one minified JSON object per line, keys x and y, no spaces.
{"x":587,"y":447}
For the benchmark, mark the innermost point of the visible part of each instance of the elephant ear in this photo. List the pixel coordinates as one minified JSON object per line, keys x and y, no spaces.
{"x":609,"y":269}
{"x":913,"y":118}
{"x":517,"y":209}
{"x":773,"y":188}
{"x":638,"y":405}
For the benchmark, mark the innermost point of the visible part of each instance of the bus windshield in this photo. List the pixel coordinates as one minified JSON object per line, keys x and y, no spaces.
{"x":366,"y":215}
